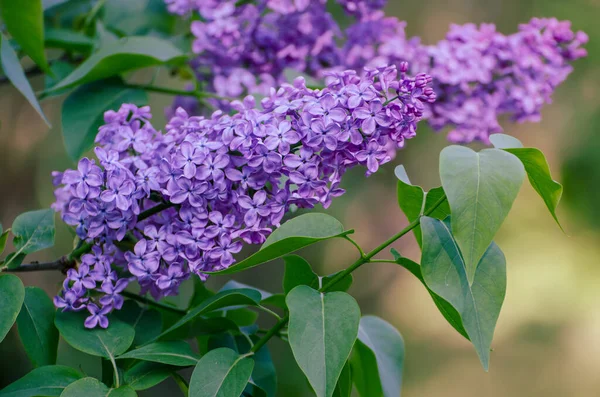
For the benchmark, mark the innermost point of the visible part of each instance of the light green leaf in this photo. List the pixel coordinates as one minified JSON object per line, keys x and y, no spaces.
{"x":121,"y":56}
{"x":177,"y":353}
{"x":14,"y":72}
{"x":83,"y":112}
{"x":221,"y":373}
{"x":3,"y":240}
{"x":538,"y":171}
{"x":294,"y":234}
{"x":146,"y":374}
{"x":481,"y":188}
{"x":298,"y":272}
{"x":147,"y":323}
{"x":232,"y":284}
{"x":33,"y":231}
{"x":386,"y":345}
{"x":68,"y":40}
{"x":92,"y":387}
{"x":447,"y":310}
{"x":344,"y":385}
{"x":106,"y":343}
{"x":12,"y":294}
{"x":44,"y":381}
{"x":228,"y":298}
{"x":36,"y":327}
{"x":444,"y":271}
{"x":322,"y":331}
{"x":24,"y":21}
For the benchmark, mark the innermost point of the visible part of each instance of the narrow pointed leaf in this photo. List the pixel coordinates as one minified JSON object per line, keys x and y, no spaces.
{"x":92,"y":387}
{"x":294,"y":234}
{"x":445,"y":273}
{"x":44,"y":381}
{"x":36,"y":327}
{"x":121,"y":56}
{"x":228,"y":298}
{"x":3,"y":240}
{"x":344,"y":385}
{"x":387,"y":346}
{"x":322,"y":331}
{"x":481,"y":188}
{"x":221,"y":373}
{"x":83,"y":112}
{"x":177,"y":353}
{"x":12,"y":294}
{"x":68,"y":40}
{"x":33,"y":231}
{"x":14,"y":72}
{"x":24,"y":21}
{"x":298,"y":272}
{"x":106,"y":343}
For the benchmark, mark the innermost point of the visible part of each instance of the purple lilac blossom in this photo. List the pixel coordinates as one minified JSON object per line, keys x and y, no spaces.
{"x":227,"y":179}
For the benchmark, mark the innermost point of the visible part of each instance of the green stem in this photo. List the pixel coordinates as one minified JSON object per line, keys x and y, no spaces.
{"x":354,"y":243}
{"x":92,"y":14}
{"x":150,"y":302}
{"x":183,"y":386}
{"x":361,"y":261}
{"x":269,"y":311}
{"x":116,"y":371}
{"x":391,"y":100}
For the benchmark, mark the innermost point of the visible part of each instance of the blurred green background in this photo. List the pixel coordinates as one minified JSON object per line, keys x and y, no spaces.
{"x":547,"y":341}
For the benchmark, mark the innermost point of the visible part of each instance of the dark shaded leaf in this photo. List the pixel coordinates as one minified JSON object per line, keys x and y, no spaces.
{"x":12,"y":294}
{"x":44,"y":381}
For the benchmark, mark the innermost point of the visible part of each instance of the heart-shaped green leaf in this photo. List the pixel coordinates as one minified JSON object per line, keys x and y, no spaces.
{"x":83,"y":111}
{"x":36,"y":327}
{"x":221,"y":373}
{"x":481,"y":188}
{"x":121,"y":56}
{"x":298,"y":272}
{"x":322,"y":331}
{"x":92,"y":387}
{"x":24,"y":21}
{"x":44,"y":381}
{"x":33,"y":232}
{"x":177,"y":353}
{"x":14,"y":72}
{"x":383,"y":375}
{"x":445,"y":273}
{"x":294,"y":234}
{"x":12,"y":294}
{"x":107,"y":343}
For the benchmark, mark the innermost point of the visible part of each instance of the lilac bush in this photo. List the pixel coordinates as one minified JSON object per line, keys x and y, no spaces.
{"x":224,"y":179}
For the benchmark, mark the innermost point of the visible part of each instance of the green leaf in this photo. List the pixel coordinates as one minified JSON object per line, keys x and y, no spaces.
{"x":264,"y":374}
{"x":538,"y":171}
{"x":228,"y":298}
{"x":68,"y":40}
{"x":3,"y":240}
{"x":232,"y":284}
{"x":15,"y":260}
{"x":24,"y":21}
{"x":298,"y":272}
{"x":503,"y":141}
{"x":447,"y":310}
{"x":481,"y":188}
{"x":92,"y":387}
{"x":414,"y":201}
{"x":146,"y":374}
{"x":12,"y":294}
{"x":322,"y":331}
{"x":294,"y":234}
{"x":201,"y":293}
{"x":445,"y":273}
{"x":139,"y":17}
{"x":44,"y":381}
{"x":221,"y":373}
{"x":83,"y":111}
{"x":387,"y":346}
{"x":177,"y":353}
{"x":33,"y":231}
{"x":106,"y":343}
{"x":14,"y":72}
{"x":121,"y":56}
{"x":147,"y":323}
{"x":60,"y":70}
{"x":36,"y":327}
{"x":343,"y":285}
{"x":344,"y":384}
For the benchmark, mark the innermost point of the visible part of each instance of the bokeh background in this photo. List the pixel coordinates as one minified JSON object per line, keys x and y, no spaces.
{"x":547,"y":341}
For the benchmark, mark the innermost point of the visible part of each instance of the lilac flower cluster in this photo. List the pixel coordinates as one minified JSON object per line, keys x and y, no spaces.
{"x":222,"y":180}
{"x":479,"y":73}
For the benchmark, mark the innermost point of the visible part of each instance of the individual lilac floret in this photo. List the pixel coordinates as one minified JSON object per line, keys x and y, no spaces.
{"x":223,"y":180}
